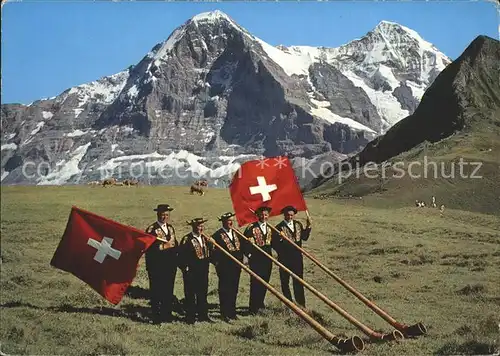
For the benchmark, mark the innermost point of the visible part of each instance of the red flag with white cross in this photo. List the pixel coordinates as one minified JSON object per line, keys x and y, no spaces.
{"x":101,"y":252}
{"x":267,"y":182}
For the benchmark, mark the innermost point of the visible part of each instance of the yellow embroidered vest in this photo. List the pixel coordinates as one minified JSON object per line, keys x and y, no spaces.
{"x":201,"y":252}
{"x":295,"y":235}
{"x":230,"y":246}
{"x":161,"y":234}
{"x":259,"y":239}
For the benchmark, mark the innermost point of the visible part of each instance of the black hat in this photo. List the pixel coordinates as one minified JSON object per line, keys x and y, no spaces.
{"x":225,"y":216}
{"x":196,"y":221}
{"x":163,"y":207}
{"x":262,"y":208}
{"x":288,"y":208}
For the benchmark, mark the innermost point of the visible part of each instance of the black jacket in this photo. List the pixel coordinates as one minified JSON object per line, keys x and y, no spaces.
{"x":234,"y":247}
{"x":159,"y":251}
{"x":282,"y":246}
{"x":192,"y":254}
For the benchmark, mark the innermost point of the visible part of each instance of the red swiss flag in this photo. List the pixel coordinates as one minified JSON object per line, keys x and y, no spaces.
{"x":268,"y":181}
{"x":101,"y":252}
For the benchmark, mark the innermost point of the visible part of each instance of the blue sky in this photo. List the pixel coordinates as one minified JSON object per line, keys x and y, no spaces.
{"x":48,"y":47}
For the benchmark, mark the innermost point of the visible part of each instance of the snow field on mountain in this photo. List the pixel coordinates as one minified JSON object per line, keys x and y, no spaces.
{"x":181,"y":160}
{"x":65,"y":169}
{"x":387,"y":105}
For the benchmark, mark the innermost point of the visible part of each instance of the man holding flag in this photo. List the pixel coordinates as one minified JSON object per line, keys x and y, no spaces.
{"x":161,"y":264}
{"x":289,"y":255}
{"x":261,"y":189}
{"x":260,"y":234}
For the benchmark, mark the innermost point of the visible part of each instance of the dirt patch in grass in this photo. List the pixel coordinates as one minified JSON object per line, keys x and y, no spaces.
{"x":251,"y":332}
{"x":383,"y":251}
{"x":472,"y":289}
{"x":418,"y":260}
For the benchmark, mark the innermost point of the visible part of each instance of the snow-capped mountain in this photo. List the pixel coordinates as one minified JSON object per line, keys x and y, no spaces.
{"x":459,"y":115}
{"x":213,"y":95}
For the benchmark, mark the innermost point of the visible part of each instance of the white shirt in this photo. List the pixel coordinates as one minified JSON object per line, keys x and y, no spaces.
{"x":290,"y":224}
{"x":263,"y":227}
{"x":229,"y":233}
{"x":200,"y":239}
{"x":163,"y":226}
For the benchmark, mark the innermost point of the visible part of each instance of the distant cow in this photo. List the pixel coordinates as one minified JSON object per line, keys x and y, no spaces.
{"x":199,"y":187}
{"x":108,"y":181}
{"x":131,"y":182}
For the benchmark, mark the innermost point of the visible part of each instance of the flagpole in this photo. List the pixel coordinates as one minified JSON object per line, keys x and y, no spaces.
{"x":308,"y":216}
{"x":354,"y":343}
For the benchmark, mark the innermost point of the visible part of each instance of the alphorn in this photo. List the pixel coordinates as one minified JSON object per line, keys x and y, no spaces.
{"x":352,"y":344}
{"x":373,"y":335}
{"x":408,"y":331}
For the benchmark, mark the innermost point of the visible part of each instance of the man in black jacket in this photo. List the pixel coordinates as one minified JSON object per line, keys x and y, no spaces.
{"x":161,"y":265}
{"x":194,"y":261}
{"x":228,"y":270}
{"x":289,"y":255}
{"x":260,"y":234}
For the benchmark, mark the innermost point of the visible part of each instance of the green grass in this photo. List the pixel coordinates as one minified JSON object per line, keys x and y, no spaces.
{"x":472,"y":190}
{"x":415,"y":264}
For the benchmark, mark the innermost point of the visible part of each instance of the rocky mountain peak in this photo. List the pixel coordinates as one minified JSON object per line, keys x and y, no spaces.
{"x":397,"y":41}
{"x":464,"y":97}
{"x":200,"y":30}
{"x":394,"y":29}
{"x":458,"y":115}
{"x":212,"y":17}
{"x":213,"y":90}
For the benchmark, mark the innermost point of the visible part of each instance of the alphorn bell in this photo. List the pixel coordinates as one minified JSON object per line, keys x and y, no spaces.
{"x":373,"y":335}
{"x":408,"y":331}
{"x":352,"y":344}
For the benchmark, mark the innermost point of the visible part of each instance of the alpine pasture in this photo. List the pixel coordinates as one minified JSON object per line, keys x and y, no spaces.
{"x":418,"y":266}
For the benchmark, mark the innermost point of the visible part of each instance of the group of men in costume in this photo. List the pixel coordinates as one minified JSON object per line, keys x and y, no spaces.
{"x":193,"y":253}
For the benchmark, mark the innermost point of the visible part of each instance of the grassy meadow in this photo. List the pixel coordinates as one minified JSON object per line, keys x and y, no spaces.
{"x":419,"y":266}
{"x":432,"y":169}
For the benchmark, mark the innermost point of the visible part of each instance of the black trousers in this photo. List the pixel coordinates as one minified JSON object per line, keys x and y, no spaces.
{"x":262,"y":266}
{"x":294,"y":262}
{"x":229,"y":281}
{"x":161,"y":287}
{"x":195,"y":290}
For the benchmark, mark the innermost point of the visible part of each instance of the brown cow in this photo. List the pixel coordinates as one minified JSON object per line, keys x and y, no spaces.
{"x":198,"y":187}
{"x":109,"y":181}
{"x":130,"y":182}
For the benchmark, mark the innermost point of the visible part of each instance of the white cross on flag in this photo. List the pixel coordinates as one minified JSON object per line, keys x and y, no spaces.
{"x":101,"y":252}
{"x":267,"y":182}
